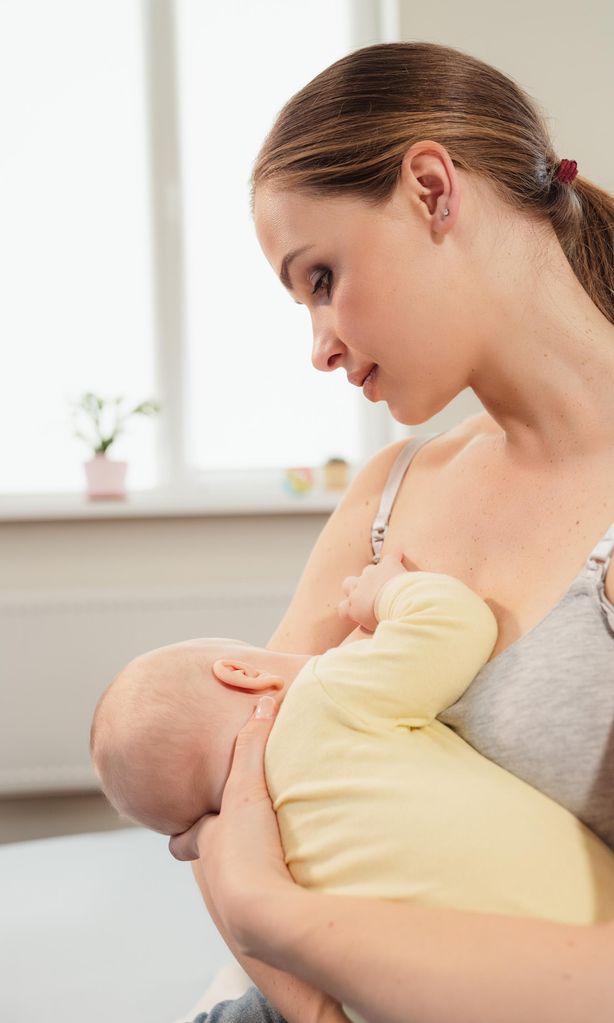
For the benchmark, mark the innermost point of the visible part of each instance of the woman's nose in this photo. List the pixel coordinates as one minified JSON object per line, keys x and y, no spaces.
{"x":327,"y":351}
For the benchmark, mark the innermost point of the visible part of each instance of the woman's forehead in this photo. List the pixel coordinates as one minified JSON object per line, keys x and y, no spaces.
{"x":278,"y":212}
{"x":286,"y":219}
{"x":280,"y":218}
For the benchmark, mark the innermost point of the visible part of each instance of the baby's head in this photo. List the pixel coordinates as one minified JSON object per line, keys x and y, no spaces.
{"x":163,"y":733}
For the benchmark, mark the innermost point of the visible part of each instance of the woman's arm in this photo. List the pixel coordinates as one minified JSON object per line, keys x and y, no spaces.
{"x":295,"y":999}
{"x":398,"y":963}
{"x":311,"y":623}
{"x":392,"y":962}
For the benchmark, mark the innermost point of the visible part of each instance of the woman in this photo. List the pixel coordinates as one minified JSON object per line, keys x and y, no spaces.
{"x":410,"y":197}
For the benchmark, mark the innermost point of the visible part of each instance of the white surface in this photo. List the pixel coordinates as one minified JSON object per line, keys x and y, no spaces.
{"x":103,"y":928}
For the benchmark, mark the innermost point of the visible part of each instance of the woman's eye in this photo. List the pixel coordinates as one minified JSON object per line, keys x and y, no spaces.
{"x":323,"y":282}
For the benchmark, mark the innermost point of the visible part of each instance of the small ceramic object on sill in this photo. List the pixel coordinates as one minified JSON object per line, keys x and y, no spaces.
{"x":336,"y":474}
{"x":106,"y":479}
{"x":298,"y":480}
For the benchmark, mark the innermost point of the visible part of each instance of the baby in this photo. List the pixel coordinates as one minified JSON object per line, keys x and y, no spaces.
{"x":373,"y":795}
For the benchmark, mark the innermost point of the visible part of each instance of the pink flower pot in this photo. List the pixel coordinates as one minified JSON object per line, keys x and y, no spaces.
{"x":105,"y":479}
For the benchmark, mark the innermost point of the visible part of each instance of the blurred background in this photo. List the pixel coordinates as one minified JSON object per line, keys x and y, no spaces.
{"x":130,"y":269}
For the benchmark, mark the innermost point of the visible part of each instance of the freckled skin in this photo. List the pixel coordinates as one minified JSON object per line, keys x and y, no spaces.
{"x":385,"y":306}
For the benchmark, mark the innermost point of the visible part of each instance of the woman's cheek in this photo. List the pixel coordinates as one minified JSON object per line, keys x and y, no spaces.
{"x":354,"y":309}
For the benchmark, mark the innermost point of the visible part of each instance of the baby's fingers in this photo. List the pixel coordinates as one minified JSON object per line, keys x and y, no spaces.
{"x":349,"y":584}
{"x":245,"y":784}
{"x":185,"y":846}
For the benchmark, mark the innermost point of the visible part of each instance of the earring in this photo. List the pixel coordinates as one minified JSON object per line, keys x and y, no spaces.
{"x":446,"y":213}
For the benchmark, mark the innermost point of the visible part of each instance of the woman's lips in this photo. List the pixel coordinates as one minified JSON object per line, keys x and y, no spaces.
{"x":368,"y":384}
{"x":365,"y":380}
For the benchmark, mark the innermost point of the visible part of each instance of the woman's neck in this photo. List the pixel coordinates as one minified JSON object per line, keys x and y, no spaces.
{"x":546,"y":375}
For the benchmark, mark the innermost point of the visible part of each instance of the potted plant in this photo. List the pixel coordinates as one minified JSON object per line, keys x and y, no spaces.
{"x":99,"y":422}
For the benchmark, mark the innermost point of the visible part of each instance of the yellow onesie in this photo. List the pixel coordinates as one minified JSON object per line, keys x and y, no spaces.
{"x":375,"y":797}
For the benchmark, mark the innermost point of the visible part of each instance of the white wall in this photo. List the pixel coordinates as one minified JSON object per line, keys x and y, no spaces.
{"x":559,"y":51}
{"x":78,"y":600}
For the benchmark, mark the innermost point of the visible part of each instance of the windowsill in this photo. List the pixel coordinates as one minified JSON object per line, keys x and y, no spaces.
{"x":228,"y":494}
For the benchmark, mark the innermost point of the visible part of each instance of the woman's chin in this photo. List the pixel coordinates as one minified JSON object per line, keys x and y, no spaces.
{"x":403,"y":416}
{"x":414,"y":415}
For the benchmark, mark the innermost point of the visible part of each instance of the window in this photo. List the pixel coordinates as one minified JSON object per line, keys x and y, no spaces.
{"x":248,"y":344}
{"x":74,"y":246}
{"x":98,"y":101}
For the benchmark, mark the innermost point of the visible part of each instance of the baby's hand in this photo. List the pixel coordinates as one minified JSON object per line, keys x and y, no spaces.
{"x":361,"y":591}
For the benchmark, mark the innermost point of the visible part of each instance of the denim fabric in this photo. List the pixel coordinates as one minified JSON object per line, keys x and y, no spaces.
{"x":252,"y":1007}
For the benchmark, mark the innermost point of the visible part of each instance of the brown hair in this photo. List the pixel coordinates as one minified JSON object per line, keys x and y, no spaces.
{"x":346,"y":133}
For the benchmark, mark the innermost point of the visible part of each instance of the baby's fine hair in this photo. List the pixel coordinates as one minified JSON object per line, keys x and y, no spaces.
{"x":346,"y":132}
{"x":144,"y":728}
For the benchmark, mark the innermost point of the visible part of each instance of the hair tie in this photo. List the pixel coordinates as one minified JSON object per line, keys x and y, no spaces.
{"x":566,"y":171}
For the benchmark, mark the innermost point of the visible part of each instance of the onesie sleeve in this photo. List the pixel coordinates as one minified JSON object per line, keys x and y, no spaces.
{"x":434,"y":635}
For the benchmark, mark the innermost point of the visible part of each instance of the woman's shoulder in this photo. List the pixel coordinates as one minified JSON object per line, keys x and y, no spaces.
{"x":470,"y":429}
{"x":364,"y":494}
{"x":441,"y":449}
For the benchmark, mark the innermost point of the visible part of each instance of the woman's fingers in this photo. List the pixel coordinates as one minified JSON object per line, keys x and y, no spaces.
{"x":239,"y":848}
{"x":246,"y":781}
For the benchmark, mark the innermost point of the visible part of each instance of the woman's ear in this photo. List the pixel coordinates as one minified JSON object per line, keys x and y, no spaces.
{"x":429,"y":177}
{"x":240,"y":675}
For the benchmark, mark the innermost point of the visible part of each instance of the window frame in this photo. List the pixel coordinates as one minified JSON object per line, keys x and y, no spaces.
{"x":372,"y":21}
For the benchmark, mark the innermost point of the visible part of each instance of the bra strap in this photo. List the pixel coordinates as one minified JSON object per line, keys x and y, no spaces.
{"x":601,"y":554}
{"x":389,"y":494}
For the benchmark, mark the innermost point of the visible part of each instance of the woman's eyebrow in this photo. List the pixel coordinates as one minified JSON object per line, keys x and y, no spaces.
{"x":284,"y":276}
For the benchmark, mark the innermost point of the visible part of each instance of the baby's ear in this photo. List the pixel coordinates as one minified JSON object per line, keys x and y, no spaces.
{"x":240,"y":675}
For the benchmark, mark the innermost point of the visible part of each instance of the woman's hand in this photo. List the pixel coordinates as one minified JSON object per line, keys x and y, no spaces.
{"x":240,"y":849}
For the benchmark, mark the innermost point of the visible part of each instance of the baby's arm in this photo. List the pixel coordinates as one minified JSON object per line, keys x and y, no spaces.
{"x":432,"y":635}
{"x":361,"y":591}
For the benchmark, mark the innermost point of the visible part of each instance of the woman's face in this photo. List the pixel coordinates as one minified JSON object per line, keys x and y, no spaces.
{"x":381,"y":287}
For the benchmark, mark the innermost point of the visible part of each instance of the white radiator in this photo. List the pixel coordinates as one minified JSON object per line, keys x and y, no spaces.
{"x":58,"y":651}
